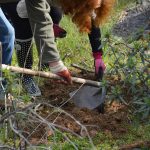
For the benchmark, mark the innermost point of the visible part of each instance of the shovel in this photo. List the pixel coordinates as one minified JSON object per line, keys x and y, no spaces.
{"x":91,"y":95}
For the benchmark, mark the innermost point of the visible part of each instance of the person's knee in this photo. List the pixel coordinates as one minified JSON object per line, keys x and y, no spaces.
{"x":11,"y":32}
{"x":8,"y":31}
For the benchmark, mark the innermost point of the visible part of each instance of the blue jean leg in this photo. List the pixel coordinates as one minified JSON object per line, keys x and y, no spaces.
{"x":7,"y":37}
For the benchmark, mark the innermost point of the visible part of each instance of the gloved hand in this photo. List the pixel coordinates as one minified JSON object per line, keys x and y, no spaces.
{"x":60,"y":69}
{"x":59,"y":32}
{"x":99,"y":65}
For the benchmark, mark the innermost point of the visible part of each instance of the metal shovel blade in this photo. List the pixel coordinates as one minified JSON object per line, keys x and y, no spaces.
{"x":88,"y":96}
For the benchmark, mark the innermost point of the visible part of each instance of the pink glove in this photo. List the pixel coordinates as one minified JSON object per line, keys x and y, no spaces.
{"x":59,"y":32}
{"x":99,"y":65}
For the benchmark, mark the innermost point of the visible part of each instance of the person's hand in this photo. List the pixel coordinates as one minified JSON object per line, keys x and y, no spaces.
{"x":59,"y":32}
{"x":60,"y":69}
{"x":99,"y":68}
{"x":99,"y":65}
{"x":65,"y":74}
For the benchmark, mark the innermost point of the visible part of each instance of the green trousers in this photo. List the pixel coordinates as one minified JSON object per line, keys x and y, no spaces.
{"x":42,"y":27}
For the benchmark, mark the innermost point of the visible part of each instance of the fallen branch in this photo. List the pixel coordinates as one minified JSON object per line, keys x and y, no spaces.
{"x":81,"y":68}
{"x":138,"y":144}
{"x":6,"y":147}
{"x":49,"y":75}
{"x":9,"y":114}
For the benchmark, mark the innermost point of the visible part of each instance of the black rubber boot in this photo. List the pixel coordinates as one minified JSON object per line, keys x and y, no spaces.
{"x":25,"y":60}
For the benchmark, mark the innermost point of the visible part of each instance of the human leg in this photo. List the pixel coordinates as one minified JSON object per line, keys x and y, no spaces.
{"x":7,"y":36}
{"x":25,"y":60}
{"x":23,"y":47}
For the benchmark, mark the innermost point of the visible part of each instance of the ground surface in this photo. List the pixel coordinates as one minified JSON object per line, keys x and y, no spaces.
{"x":116,"y":116}
{"x":112,"y":121}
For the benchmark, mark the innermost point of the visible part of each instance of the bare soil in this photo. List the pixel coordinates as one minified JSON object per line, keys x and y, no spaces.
{"x":112,"y":122}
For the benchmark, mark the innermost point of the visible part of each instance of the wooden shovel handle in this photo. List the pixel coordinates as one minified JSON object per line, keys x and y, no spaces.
{"x":48,"y":75}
